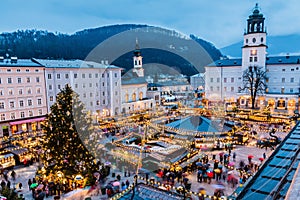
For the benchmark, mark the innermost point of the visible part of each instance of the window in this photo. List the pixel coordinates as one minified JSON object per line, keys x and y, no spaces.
{"x":250,"y":59}
{"x":28,"y":79}
{"x":283,"y":80}
{"x":91,"y":103}
{"x":291,"y":90}
{"x":283,"y":70}
{"x":103,"y":75}
{"x":27,"y":70}
{"x":225,"y":89}
{"x":225,"y":80}
{"x":21,"y":103}
{"x":97,"y":102}
{"x":19,"y":80}
{"x":91,"y":84}
{"x":103,"y":93}
{"x":10,"y":92}
{"x":116,"y":75}
{"x":1,"y":92}
{"x":58,"y":76}
{"x":267,"y":80}
{"x":2,"y":116}
{"x":107,"y":75}
{"x":292,"y":80}
{"x":38,"y":90}
{"x":75,"y":75}
{"x":84,"y":95}
{"x":29,"y":101}
{"x":211,"y":80}
{"x":218,"y":88}
{"x":96,"y":84}
{"x":254,"y":40}
{"x":66,"y":76}
{"x":58,"y":86}
{"x":218,"y":80}
{"x":116,"y":83}
{"x":91,"y":94}
{"x":12,"y":116}
{"x":83,"y":75}
{"x":116,"y":93}
{"x":20,"y":91}
{"x":211,"y":88}
{"x":0,"y":81}
{"x":255,"y":59}
{"x":103,"y":102}
{"x":9,"y":80}
{"x":253,"y":52}
{"x":11,"y":104}
{"x":232,"y":79}
{"x":261,"y":39}
{"x":232,"y":89}
{"x":1,"y":105}
{"x":90,"y":75}
{"x":96,"y":75}
{"x":83,"y":85}
{"x":39,"y":101}
{"x":36,"y":70}
{"x":18,"y":70}
{"x":30,"y":113}
{"x":22,"y":114}
{"x":50,"y":87}
{"x":8,"y":70}
{"x":103,"y":84}
{"x":40,"y":111}
{"x":51,"y":98}
{"x":76,"y":85}
{"x":37,"y":79}
{"x":49,"y":76}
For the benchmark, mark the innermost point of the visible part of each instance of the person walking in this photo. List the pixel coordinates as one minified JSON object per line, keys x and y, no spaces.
{"x":13,"y":175}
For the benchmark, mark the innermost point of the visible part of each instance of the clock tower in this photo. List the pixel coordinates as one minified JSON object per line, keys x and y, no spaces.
{"x":254,"y":48}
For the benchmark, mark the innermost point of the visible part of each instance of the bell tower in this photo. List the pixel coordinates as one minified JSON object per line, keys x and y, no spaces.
{"x":254,"y":48}
{"x":138,"y":61}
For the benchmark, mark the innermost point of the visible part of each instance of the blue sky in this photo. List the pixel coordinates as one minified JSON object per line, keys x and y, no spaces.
{"x":220,"y":22}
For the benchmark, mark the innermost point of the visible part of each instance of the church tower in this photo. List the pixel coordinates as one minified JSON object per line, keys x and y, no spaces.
{"x":138,"y":61}
{"x":254,"y":48}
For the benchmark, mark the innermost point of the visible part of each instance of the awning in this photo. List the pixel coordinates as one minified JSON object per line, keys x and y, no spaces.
{"x":27,"y":121}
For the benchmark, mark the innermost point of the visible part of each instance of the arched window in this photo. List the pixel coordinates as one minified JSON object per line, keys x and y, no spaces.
{"x":140,"y":95}
{"x":133,"y":97}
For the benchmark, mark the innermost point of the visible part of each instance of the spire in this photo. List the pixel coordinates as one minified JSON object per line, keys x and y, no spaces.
{"x":137,"y":51}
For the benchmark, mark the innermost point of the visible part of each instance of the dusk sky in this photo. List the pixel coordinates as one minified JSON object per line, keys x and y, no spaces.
{"x":220,"y":22}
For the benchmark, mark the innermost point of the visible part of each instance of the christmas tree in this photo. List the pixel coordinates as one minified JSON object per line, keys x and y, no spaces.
{"x":70,"y":144}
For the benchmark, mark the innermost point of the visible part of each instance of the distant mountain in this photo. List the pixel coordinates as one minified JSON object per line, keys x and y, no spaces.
{"x":187,"y":54}
{"x":277,"y":45}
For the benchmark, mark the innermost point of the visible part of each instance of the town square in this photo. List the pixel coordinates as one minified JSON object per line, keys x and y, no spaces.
{"x":148,"y":113}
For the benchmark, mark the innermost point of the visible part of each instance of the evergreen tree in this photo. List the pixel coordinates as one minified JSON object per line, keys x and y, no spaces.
{"x":70,"y":145}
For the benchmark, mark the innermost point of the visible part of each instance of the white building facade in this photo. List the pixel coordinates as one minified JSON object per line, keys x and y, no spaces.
{"x":23,"y":102}
{"x":134,"y":87}
{"x":223,"y":78}
{"x":98,"y":85}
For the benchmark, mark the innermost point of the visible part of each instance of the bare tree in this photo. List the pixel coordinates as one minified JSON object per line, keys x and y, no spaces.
{"x":254,"y":82}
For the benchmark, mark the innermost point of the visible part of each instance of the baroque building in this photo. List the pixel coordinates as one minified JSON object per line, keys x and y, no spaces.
{"x":224,"y":78}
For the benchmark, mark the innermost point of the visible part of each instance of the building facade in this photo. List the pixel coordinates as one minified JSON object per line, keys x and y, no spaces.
{"x":98,"y":85}
{"x":224,"y":78}
{"x":23,"y":103}
{"x":134,"y":87}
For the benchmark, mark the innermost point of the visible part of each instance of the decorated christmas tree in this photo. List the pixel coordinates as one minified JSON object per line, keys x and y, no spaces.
{"x":70,"y":145}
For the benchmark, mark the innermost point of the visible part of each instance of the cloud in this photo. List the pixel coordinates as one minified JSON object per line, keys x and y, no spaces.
{"x":220,"y":22}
